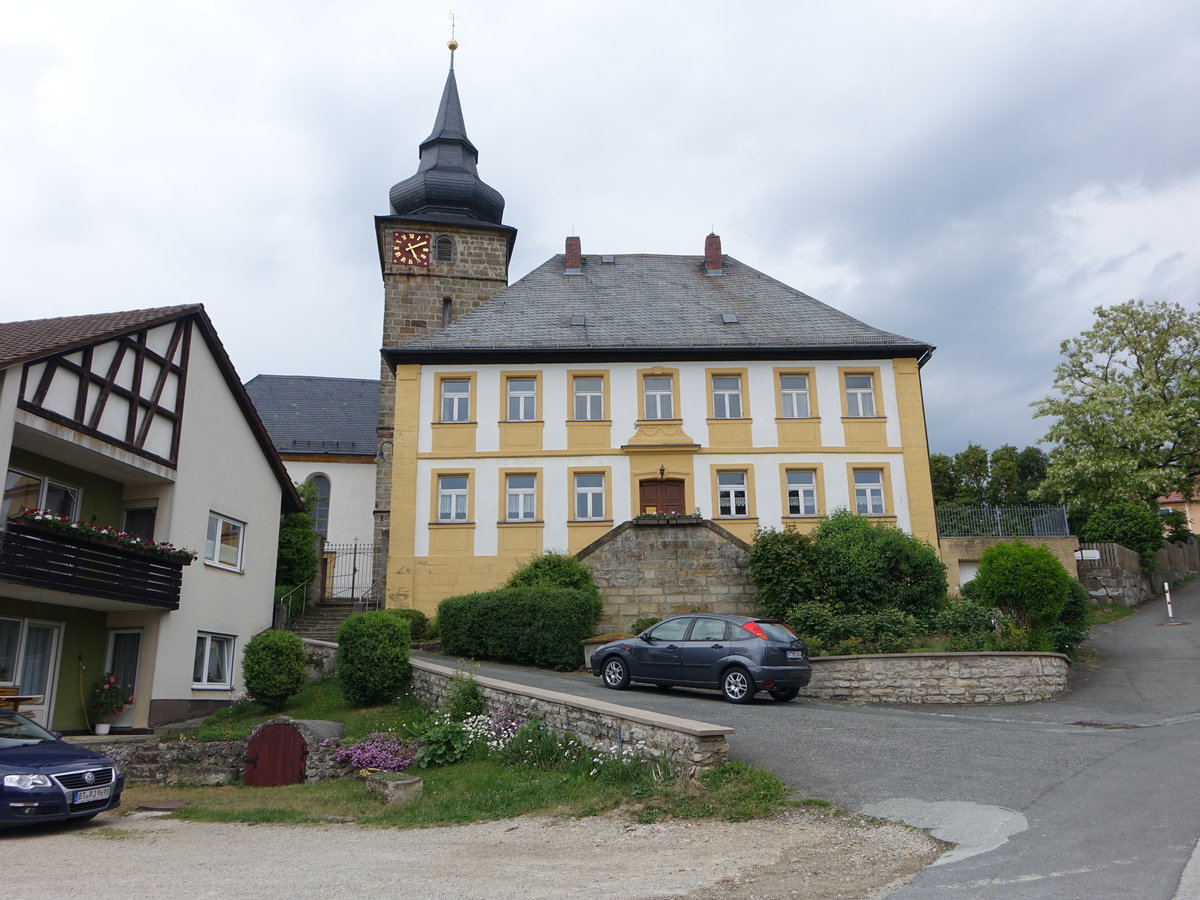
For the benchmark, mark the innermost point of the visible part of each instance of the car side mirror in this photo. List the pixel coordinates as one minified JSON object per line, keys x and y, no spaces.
{"x":645,"y":636}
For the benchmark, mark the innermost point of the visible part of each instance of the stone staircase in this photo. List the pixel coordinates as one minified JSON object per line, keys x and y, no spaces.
{"x":321,"y":622}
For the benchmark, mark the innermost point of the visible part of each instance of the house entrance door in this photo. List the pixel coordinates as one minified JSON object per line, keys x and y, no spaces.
{"x":661,"y":495}
{"x":124,"y":649}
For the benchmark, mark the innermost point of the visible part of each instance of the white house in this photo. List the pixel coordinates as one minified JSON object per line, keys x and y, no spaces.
{"x":136,"y":421}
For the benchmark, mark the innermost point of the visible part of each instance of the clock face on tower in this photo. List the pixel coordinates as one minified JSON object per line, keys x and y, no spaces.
{"x":410,"y":248}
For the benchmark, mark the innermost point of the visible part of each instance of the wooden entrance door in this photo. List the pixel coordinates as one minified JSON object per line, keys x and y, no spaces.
{"x":661,"y":495}
{"x":275,"y":756}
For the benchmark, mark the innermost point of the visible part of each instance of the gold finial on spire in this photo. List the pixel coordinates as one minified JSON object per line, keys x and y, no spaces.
{"x":452,"y":43}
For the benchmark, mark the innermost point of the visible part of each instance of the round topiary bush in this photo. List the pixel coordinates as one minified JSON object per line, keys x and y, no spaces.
{"x":1023,"y":581}
{"x":273,"y":667}
{"x":372,"y":657}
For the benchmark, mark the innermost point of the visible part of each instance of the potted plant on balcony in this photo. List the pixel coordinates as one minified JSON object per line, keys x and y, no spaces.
{"x":108,"y":700}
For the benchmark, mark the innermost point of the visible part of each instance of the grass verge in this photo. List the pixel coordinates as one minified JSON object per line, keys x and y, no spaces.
{"x":537,"y":773}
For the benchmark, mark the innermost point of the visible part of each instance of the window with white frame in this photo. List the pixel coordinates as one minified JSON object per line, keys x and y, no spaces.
{"x":522,"y":399}
{"x":456,"y":401}
{"x":589,"y":496}
{"x":213,"y":661}
{"x":860,"y":396}
{"x":25,"y":490}
{"x":868,"y":492}
{"x":802,"y":493}
{"x":731,"y":494}
{"x":658,"y":393}
{"x":520,"y":493}
{"x":727,"y":396}
{"x":589,"y":398}
{"x":452,"y":498}
{"x":223,"y":545}
{"x":793,"y":396}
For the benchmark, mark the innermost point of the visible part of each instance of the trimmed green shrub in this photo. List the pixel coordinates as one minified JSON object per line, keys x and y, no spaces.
{"x":1025,"y":582}
{"x":965,"y":616}
{"x":645,"y":624}
{"x":782,"y":568}
{"x":273,"y":667}
{"x":418,"y":622}
{"x":853,"y":565}
{"x":830,"y":634}
{"x":536,"y":625}
{"x":1176,"y":525}
{"x":1134,"y":525}
{"x":554,"y":570}
{"x":372,"y":657}
{"x":1071,"y":629}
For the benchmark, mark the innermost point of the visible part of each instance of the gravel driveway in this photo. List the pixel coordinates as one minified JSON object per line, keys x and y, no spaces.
{"x":801,"y":853}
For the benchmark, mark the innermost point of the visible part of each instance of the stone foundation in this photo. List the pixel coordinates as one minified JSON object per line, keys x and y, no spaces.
{"x":686,"y":746}
{"x":938,"y":677}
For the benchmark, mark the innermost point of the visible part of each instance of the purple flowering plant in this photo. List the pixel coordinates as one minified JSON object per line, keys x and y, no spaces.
{"x":380,"y":750}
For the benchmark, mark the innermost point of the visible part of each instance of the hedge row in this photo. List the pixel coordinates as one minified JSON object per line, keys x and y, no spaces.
{"x":537,"y":625}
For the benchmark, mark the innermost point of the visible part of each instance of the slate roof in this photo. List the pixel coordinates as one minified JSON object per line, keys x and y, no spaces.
{"x":642,"y":306}
{"x":447,"y":182}
{"x":310,"y":414}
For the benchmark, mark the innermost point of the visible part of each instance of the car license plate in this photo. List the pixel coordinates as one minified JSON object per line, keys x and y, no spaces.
{"x":795,"y":654}
{"x":88,"y":796}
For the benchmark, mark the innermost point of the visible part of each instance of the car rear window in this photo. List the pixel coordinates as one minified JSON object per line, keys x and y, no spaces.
{"x":776,"y":631}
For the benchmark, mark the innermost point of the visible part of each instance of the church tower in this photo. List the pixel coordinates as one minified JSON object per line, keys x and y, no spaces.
{"x":443,"y":250}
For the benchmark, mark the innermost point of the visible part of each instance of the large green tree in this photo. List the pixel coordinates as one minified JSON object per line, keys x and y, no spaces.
{"x":973,"y":477}
{"x":1126,"y":407}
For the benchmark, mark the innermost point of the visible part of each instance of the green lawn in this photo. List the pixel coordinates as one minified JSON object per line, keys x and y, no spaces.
{"x":482,"y":787}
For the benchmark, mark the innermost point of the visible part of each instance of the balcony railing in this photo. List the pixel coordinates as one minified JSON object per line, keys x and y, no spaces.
{"x":1002,"y":521}
{"x":88,"y":567}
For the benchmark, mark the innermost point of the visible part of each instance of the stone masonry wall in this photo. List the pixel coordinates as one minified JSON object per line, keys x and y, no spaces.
{"x":686,"y":746}
{"x":412,"y":309}
{"x":646,"y":568}
{"x":939,"y":677}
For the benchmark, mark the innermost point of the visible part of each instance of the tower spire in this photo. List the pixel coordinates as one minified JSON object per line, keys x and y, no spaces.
{"x":446,"y":182}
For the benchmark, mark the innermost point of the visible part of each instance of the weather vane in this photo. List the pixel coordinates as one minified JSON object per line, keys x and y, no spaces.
{"x":452,"y":43}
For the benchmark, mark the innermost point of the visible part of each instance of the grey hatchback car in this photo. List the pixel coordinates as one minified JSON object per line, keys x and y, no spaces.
{"x":736,"y":655}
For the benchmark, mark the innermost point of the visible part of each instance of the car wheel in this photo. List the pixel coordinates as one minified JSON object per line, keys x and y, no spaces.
{"x":784,"y":694}
{"x":737,"y":686}
{"x":615,"y":673}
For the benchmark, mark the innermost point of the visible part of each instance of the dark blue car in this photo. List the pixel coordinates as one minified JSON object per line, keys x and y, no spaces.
{"x":736,"y":655}
{"x":48,"y":780}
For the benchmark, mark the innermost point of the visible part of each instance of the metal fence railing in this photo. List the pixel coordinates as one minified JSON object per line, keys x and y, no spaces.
{"x":1002,"y":521}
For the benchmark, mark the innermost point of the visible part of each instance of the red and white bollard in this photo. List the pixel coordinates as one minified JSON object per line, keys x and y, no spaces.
{"x":1167,"y":591}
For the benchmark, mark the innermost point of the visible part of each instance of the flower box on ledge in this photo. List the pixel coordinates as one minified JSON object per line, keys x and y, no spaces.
{"x":667,"y":519}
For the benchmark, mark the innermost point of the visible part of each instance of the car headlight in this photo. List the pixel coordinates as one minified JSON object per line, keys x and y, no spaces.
{"x":26,"y":781}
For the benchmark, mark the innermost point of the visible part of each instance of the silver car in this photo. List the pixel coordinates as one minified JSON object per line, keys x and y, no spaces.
{"x":736,"y":655}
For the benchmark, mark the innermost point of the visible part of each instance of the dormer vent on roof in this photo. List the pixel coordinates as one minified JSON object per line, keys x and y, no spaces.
{"x":573,"y":258}
{"x":714,"y":263}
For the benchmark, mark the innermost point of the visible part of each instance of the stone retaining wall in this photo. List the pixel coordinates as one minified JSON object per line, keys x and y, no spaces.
{"x":650,"y":568}
{"x":939,"y":677}
{"x":214,"y":762}
{"x":685,"y":745}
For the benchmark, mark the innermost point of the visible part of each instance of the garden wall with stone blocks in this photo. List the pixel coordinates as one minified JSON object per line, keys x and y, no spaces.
{"x":938,"y":677}
{"x":655,"y":568}
{"x":685,"y":745}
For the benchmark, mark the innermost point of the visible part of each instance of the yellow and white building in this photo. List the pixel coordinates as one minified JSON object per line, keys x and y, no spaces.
{"x":540,"y":415}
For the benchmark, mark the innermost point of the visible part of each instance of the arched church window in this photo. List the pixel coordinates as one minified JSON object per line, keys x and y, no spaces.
{"x":320,"y":511}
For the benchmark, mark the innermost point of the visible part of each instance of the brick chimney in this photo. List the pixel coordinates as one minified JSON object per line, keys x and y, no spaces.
{"x":713,"y":263}
{"x":573,"y":265}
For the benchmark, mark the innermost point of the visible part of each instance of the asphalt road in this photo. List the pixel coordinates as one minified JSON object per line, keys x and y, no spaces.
{"x":1096,"y":794}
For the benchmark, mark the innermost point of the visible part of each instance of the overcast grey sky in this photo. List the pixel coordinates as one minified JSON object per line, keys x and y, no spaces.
{"x":976,"y":174}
